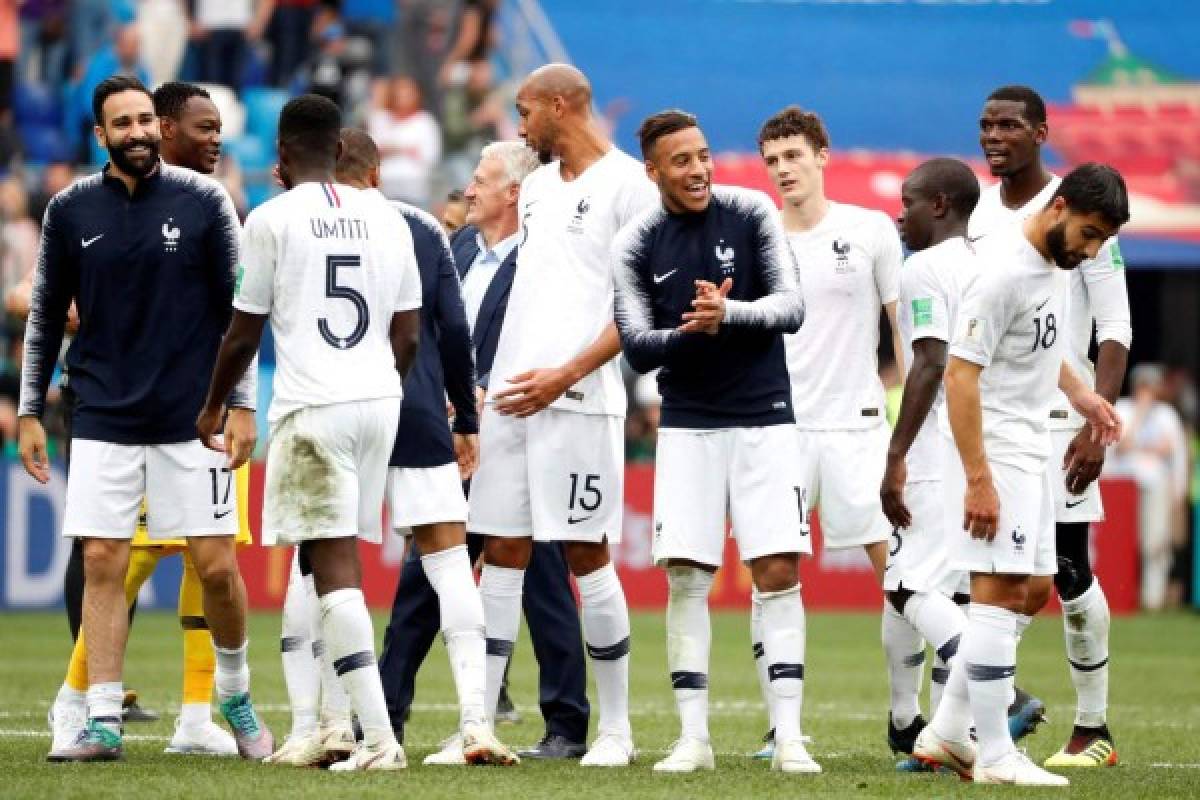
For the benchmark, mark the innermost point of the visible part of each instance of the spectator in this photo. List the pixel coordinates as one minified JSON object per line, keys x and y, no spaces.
{"x":56,"y":176}
{"x":44,"y":51}
{"x":326,"y":71}
{"x":222,"y":30}
{"x":19,"y":234}
{"x":288,"y":32}
{"x":91,"y":25}
{"x":373,"y":20}
{"x":1153,"y":451}
{"x":163,"y":33}
{"x":454,"y":211}
{"x":10,"y":50}
{"x":473,"y":114}
{"x":473,"y":40}
{"x":409,"y":140}
{"x":121,"y":57}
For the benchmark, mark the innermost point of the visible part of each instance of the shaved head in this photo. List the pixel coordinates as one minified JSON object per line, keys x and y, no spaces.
{"x":559,"y":80}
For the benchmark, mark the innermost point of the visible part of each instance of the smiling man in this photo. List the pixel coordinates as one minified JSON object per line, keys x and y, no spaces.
{"x":142,"y":248}
{"x":1012,"y":130}
{"x":706,"y":288}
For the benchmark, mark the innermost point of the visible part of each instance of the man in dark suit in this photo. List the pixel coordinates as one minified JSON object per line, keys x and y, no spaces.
{"x":485,"y":252}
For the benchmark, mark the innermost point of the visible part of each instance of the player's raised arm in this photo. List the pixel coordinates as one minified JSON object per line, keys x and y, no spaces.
{"x":48,"y":304}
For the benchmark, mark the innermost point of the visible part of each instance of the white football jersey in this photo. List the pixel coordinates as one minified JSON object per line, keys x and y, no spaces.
{"x":1097,"y":292}
{"x":930,"y":289}
{"x":562,"y":294}
{"x":849,"y":268}
{"x":1013,"y":322}
{"x":330,"y":264}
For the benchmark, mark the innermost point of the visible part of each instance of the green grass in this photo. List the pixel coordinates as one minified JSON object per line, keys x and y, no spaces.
{"x":1155,"y":716}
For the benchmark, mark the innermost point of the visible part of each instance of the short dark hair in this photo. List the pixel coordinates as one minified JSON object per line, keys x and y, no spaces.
{"x":794,"y":121}
{"x":311,"y":124}
{"x":172,"y":96}
{"x":952,"y":178}
{"x":1035,"y":106}
{"x":664,"y":123}
{"x":1096,"y":188}
{"x":359,"y":155}
{"x":114,"y":84}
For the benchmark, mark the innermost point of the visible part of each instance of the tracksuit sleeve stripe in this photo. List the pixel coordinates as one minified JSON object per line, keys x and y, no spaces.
{"x":782,"y":308}
{"x":645,"y":347}
{"x":49,"y":301}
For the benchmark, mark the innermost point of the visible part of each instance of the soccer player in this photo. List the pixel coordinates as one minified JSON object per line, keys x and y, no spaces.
{"x":849,"y":261}
{"x":551,"y":435}
{"x":334,"y":271}
{"x":190,"y":125}
{"x":1012,"y":129}
{"x":706,"y":288}
{"x":430,"y":461}
{"x":937,"y":198}
{"x":142,"y":248}
{"x":1007,"y":359}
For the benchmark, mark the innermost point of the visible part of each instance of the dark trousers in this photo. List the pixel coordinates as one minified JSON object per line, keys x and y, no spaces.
{"x":553,"y":620}
{"x":223,"y":57}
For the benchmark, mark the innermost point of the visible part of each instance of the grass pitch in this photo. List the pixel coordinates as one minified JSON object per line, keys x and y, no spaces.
{"x":1155,"y":717}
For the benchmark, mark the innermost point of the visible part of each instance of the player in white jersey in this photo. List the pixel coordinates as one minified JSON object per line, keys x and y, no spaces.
{"x":849,"y":261}
{"x":937,"y":200}
{"x":1006,"y":362}
{"x":334,"y":272}
{"x":1012,"y":130}
{"x":551,"y":436}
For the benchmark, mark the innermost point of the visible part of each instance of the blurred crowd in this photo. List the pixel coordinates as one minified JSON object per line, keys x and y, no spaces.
{"x":421,"y":77}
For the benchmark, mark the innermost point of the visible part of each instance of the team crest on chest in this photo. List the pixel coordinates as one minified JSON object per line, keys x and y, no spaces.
{"x":841,"y":253}
{"x":170,"y":236}
{"x":724,"y":259}
{"x":576,"y":225}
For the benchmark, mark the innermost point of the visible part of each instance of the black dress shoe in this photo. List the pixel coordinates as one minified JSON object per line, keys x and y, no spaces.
{"x":554,"y":746}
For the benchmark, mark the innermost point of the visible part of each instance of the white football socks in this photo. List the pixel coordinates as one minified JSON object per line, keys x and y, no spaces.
{"x":904,"y":649}
{"x":301,"y":672}
{"x":335,"y":703}
{"x":989,"y":653}
{"x":689,"y":640}
{"x":449,"y":573}
{"x":941,"y":621}
{"x":350,"y":642}
{"x":783,"y":642}
{"x":1085,"y":622}
{"x":606,"y":634}
{"x":233,"y":675}
{"x":500,"y":590}
{"x":104,"y":702}
{"x":760,"y":658}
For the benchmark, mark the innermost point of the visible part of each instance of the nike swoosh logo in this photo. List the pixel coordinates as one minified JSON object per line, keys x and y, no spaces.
{"x":1039,"y":308}
{"x":573,"y":520}
{"x":1077,"y":502}
{"x":974,"y":239}
{"x":91,"y":241}
{"x":661,"y":278}
{"x":222,"y":514}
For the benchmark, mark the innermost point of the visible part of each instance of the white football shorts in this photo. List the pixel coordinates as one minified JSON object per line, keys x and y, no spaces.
{"x":327,"y":469}
{"x":557,"y":475}
{"x":702,"y":478}
{"x":189,"y":491}
{"x":425,"y":495}
{"x":840,"y":473}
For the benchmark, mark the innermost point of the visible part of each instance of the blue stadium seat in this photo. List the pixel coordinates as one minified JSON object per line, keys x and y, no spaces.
{"x":258,"y":192}
{"x":43,"y":144}
{"x":250,"y":152}
{"x":35,"y":104}
{"x":262,"y":111}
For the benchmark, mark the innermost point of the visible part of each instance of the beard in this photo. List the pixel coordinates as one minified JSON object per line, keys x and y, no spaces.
{"x":138,"y":169}
{"x":1056,"y":243}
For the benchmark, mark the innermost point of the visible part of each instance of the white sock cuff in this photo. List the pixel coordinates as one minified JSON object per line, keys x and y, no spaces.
{"x":443,"y":558}
{"x":502,"y":581}
{"x":782,"y":594}
{"x":232,"y":651}
{"x":338,"y":597}
{"x":689,"y":581}
{"x":598,"y":584}
{"x":1092,"y":595}
{"x":995,"y":617}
